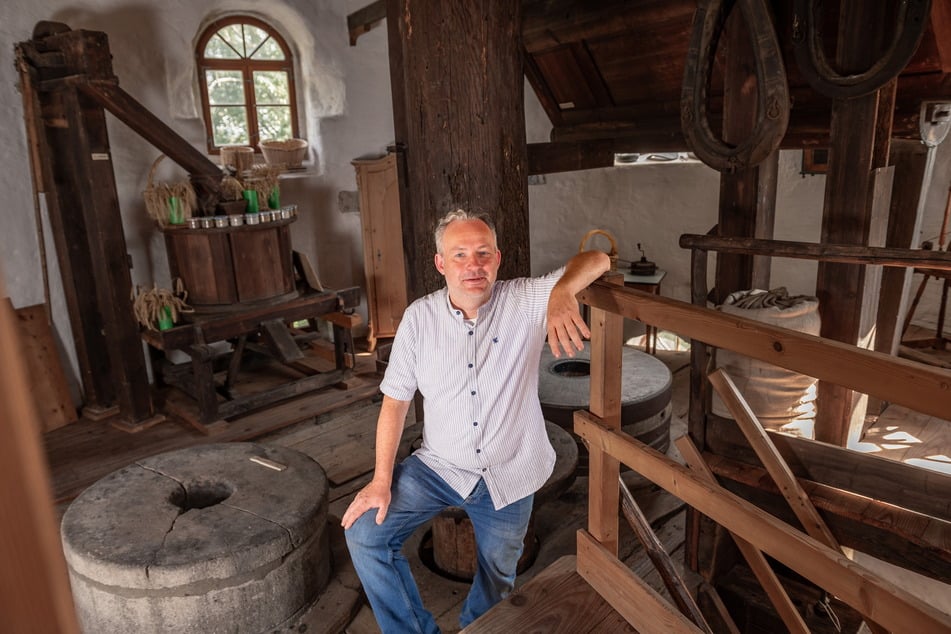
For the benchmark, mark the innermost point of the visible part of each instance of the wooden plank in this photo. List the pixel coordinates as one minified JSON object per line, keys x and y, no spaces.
{"x":54,"y":404}
{"x":280,"y":341}
{"x":746,"y":420}
{"x":605,"y":394}
{"x":661,"y":559}
{"x":764,"y":572}
{"x":637,"y":602}
{"x":556,"y":601}
{"x":865,"y":591}
{"x":823,"y":252}
{"x":895,"y":380}
{"x":34,"y":588}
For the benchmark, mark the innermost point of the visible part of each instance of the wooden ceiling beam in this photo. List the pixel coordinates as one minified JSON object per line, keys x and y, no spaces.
{"x":551,"y":23}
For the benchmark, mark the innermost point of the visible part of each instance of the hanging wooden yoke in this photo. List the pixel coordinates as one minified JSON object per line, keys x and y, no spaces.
{"x":772,"y":96}
{"x":910,"y":22}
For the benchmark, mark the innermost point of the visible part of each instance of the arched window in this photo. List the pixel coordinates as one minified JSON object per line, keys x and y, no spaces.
{"x":246,"y":73}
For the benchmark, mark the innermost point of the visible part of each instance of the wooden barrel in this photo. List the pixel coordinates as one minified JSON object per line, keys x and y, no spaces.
{"x":227,"y":269}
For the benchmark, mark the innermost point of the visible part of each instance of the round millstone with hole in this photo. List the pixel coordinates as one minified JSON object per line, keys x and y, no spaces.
{"x":564,"y":385}
{"x":216,"y":538}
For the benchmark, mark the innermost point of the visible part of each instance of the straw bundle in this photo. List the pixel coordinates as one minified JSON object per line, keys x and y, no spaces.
{"x":149,"y":305}
{"x":158,"y":195}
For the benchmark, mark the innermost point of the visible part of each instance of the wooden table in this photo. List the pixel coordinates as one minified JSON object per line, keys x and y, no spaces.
{"x":649,"y":284}
{"x":195,"y":338}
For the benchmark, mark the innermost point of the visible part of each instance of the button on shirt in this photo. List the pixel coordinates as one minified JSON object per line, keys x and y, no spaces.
{"x":479,"y":381}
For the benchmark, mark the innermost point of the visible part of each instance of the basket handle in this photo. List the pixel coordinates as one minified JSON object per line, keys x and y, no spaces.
{"x":612,"y":254}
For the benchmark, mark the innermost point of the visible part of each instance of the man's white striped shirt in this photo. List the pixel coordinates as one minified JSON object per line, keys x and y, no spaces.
{"x":482,"y":418}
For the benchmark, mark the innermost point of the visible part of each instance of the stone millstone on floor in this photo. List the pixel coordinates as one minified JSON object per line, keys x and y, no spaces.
{"x":215,"y":538}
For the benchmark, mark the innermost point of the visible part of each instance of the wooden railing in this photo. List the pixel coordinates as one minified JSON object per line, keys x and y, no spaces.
{"x":913,"y":385}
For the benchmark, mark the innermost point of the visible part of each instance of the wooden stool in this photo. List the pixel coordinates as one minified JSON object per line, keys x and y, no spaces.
{"x":454,"y":547}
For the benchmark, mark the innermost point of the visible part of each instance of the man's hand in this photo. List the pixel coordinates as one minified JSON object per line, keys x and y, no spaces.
{"x":375,"y":495}
{"x":566,"y":328}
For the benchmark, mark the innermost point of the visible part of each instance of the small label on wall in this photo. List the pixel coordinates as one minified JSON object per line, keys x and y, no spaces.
{"x":348,"y":202}
{"x":100,"y":156}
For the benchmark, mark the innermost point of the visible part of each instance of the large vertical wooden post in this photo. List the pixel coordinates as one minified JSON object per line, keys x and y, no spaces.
{"x":87,"y":223}
{"x":914,"y":165}
{"x":458,"y":110}
{"x":860,"y":130}
{"x":748,"y":197}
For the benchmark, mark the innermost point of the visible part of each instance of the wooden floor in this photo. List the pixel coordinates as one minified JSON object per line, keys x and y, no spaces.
{"x":336,"y":427}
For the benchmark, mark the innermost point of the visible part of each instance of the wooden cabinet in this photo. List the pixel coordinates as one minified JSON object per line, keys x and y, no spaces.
{"x":382,"y":245}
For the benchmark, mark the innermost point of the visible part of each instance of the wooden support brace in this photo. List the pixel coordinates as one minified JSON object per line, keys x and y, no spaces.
{"x":764,"y":572}
{"x":661,"y":559}
{"x":280,"y":341}
{"x":637,"y":602}
{"x":870,"y":594}
{"x":800,"y":503}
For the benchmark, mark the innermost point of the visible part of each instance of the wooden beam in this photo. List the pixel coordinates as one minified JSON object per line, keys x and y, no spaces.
{"x":921,"y":388}
{"x":459,"y":118}
{"x":638,"y":603}
{"x":746,"y":420}
{"x":914,"y":166}
{"x":364,"y":20}
{"x":34,"y":586}
{"x":764,"y":572}
{"x":865,"y":591}
{"x":894,"y":534}
{"x":847,"y":216}
{"x":605,"y":401}
{"x":797,"y":498}
{"x":845,"y":253}
{"x":661,"y":559}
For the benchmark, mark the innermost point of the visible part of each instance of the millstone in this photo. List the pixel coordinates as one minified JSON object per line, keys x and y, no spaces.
{"x":564,"y":385}
{"x":205,"y":539}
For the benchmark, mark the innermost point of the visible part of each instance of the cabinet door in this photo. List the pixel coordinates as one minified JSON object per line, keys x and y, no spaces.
{"x":382,"y":244}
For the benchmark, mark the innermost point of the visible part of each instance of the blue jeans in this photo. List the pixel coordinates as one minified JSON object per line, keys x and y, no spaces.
{"x":418,"y":495}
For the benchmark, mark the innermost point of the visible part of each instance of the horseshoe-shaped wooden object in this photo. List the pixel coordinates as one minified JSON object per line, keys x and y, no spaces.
{"x":772,"y":94}
{"x":910,"y":22}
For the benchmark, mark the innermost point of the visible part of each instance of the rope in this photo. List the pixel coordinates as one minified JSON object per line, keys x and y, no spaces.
{"x":772,"y":108}
{"x":778,"y":297}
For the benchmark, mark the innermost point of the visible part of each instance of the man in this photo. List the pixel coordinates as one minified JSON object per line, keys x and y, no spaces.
{"x":472,"y":349}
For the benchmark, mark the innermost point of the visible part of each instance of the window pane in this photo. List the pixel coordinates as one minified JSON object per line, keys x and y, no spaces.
{"x":274,"y":122}
{"x":218,"y":49}
{"x":233,"y":34}
{"x":230,"y":125}
{"x":253,"y":36}
{"x":225,"y":87}
{"x":271,"y":87}
{"x":269,"y":50}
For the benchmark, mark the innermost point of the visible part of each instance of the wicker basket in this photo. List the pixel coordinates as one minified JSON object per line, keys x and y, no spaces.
{"x":240,"y":157}
{"x":290,"y":152}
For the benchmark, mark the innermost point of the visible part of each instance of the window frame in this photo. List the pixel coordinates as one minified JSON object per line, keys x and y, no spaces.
{"x":247,"y":66}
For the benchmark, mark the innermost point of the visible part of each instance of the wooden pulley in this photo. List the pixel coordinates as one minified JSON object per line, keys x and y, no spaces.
{"x":910,"y":21}
{"x":772,"y":112}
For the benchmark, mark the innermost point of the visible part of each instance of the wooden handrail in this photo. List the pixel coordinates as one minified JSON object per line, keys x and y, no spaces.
{"x":883,"y":256}
{"x":872,"y":596}
{"x":922,"y":388}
